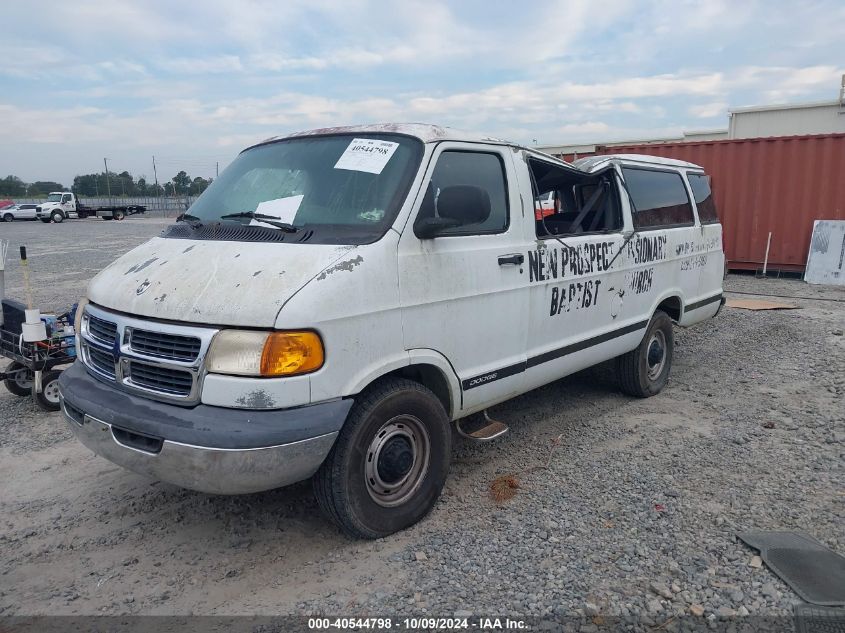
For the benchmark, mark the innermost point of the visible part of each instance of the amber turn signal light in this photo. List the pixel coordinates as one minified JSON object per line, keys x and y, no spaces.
{"x":290,"y":353}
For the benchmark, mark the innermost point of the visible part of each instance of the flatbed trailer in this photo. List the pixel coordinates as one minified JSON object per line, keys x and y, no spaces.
{"x":64,"y":205}
{"x":116,"y":212}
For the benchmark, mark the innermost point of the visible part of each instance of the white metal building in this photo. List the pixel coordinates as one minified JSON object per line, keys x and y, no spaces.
{"x":824,"y":117}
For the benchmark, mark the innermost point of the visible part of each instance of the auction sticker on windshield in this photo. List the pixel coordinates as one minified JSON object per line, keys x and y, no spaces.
{"x":366,"y":154}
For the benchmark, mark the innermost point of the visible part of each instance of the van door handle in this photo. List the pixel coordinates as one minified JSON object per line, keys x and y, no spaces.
{"x":515,"y":258}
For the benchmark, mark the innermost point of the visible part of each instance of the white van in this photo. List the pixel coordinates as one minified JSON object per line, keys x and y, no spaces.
{"x":338,"y":297}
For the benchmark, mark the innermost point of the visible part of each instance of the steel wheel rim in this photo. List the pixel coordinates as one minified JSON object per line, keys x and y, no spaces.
{"x":388,"y":482}
{"x":23,"y":379}
{"x":51,"y":392}
{"x":656,"y":354}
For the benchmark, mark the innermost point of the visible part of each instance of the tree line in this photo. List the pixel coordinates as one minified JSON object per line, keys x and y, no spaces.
{"x":121,"y":184}
{"x":12,"y":186}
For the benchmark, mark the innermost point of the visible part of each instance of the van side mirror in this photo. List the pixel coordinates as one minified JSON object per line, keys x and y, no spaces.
{"x":428,"y":228}
{"x":457,"y":205}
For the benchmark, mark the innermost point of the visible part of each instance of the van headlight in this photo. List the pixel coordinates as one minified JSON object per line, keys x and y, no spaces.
{"x":251,"y":353}
{"x":77,"y":319}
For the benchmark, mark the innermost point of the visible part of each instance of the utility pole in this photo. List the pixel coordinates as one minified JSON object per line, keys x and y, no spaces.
{"x":218,"y":169}
{"x":155,"y":174}
{"x":108,"y":184}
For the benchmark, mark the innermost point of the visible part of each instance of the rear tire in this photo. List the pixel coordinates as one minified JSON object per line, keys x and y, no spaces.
{"x":8,"y":217}
{"x":48,"y":399}
{"x":389,"y":463}
{"x":119,"y":215}
{"x":57,"y":217}
{"x":644,"y":371}
{"x":21,"y":383}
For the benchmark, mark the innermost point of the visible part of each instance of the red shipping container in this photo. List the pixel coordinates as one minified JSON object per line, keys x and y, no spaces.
{"x":778,"y":184}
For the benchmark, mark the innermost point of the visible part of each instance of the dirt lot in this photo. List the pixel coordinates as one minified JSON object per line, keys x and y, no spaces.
{"x":624,"y":506}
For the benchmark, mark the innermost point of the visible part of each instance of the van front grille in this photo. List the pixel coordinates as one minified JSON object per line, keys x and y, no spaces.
{"x":163,"y":345}
{"x":102,"y":330}
{"x":172,"y":381}
{"x":103,"y":362}
{"x":154,"y":359}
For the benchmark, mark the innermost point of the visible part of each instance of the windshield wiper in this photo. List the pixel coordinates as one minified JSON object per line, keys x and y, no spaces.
{"x":264,"y":218}
{"x":191,"y":220}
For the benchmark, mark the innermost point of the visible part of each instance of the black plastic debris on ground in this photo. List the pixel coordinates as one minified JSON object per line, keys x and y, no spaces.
{"x":815,"y":572}
{"x":813,"y":619}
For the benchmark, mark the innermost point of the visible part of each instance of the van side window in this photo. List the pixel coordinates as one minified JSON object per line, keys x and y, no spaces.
{"x":474,"y":184}
{"x":569,"y":202}
{"x":660,"y":198}
{"x":700,"y":185}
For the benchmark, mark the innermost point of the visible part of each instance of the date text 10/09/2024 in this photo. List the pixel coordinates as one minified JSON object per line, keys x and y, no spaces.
{"x":417,"y":624}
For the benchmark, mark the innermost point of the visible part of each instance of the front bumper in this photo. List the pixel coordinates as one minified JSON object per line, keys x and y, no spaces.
{"x":209,"y":449}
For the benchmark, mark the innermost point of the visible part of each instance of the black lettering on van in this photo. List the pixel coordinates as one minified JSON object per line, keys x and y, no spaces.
{"x":574,"y":296}
{"x":553,"y":262}
{"x":558,"y":262}
{"x":639,"y":281}
{"x":647,"y":249}
{"x":533,"y":265}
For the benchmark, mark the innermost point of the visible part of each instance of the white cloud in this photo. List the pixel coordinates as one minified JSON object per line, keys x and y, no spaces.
{"x":538,"y":108}
{"x":709,"y":110}
{"x":202,"y":65}
{"x":582,"y":129}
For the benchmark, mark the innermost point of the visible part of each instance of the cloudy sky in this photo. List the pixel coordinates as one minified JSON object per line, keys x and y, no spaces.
{"x":195,"y":82}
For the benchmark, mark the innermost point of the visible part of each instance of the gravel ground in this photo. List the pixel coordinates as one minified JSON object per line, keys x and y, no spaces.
{"x":624,"y":506}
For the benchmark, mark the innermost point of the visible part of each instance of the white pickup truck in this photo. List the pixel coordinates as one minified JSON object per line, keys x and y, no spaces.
{"x":338,"y":298}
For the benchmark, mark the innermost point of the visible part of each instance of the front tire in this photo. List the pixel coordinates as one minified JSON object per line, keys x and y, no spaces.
{"x":8,"y":217}
{"x":644,"y":371}
{"x":389,"y":463}
{"x":57,"y":217}
{"x":119,"y":215}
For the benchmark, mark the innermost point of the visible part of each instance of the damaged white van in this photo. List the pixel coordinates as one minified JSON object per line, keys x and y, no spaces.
{"x":338,"y":298}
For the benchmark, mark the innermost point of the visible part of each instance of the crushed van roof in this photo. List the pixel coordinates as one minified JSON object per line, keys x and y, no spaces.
{"x":426,"y":132}
{"x":590,"y":163}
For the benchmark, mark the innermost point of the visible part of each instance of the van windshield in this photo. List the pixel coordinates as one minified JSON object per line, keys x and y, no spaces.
{"x":344,"y":189}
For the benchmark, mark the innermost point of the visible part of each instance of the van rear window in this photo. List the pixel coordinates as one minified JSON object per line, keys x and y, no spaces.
{"x":700,"y":185}
{"x":660,"y":198}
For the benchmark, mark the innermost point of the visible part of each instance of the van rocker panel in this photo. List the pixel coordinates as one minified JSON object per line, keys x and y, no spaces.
{"x":203,"y":425}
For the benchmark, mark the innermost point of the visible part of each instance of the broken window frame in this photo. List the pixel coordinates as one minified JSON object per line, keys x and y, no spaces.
{"x":613,"y":205}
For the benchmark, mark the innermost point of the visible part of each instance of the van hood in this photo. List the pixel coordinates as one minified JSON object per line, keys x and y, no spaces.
{"x":241,"y":284}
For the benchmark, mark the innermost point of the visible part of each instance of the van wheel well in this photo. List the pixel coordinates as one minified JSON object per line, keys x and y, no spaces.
{"x":428,"y":376}
{"x":672,"y":307}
